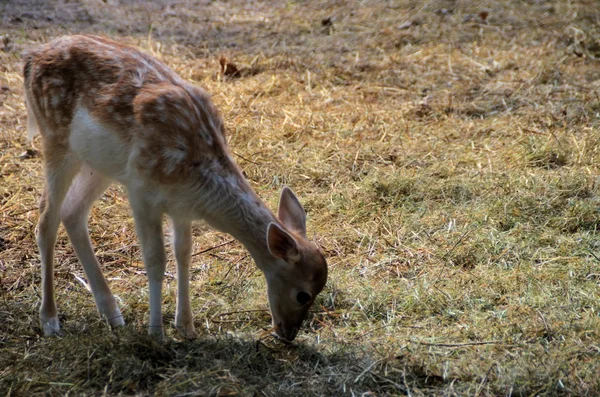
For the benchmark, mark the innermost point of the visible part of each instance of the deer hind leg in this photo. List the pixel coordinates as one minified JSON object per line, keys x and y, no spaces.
{"x":87,"y":187}
{"x":148,"y":225}
{"x":60,"y":168}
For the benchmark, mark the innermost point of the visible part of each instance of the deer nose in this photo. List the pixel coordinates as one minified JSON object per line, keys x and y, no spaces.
{"x":290,"y":333}
{"x":286,"y":332}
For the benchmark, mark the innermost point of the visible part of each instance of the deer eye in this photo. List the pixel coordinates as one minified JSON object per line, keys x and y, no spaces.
{"x":303,"y":298}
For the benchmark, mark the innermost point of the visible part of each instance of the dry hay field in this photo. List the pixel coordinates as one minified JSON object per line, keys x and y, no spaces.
{"x":447,"y":154}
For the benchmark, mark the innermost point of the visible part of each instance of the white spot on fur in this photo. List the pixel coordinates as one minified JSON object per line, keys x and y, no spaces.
{"x":137,"y":79}
{"x":206,"y":136}
{"x":181,"y":142}
{"x":232,"y":181}
{"x":46,"y":104}
{"x":173,"y":158}
{"x":33,"y":128}
{"x":160,"y":104}
{"x":181,"y":123}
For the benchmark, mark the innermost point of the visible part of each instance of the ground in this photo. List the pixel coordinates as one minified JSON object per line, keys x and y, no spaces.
{"x":447,"y":155}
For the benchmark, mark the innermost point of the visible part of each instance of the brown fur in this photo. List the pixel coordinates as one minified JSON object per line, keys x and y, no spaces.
{"x":107,"y":111}
{"x":138,"y":102}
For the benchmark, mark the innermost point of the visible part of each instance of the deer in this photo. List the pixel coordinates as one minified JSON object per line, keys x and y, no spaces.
{"x":109,"y":112}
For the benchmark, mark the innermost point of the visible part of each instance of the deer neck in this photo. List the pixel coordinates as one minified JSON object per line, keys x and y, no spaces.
{"x":235,"y":209}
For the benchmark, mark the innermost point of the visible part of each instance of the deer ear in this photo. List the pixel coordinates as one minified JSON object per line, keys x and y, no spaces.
{"x":291,"y":213}
{"x":281,"y":244}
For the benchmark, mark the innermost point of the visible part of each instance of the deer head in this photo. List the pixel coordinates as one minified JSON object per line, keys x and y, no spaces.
{"x":299,"y":270}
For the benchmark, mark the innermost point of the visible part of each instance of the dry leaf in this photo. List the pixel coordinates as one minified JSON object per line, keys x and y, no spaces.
{"x":327,"y":22}
{"x":228,"y":68}
{"x":29,"y":154}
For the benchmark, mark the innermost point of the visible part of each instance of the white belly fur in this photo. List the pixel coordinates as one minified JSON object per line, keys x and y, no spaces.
{"x":98,"y":145}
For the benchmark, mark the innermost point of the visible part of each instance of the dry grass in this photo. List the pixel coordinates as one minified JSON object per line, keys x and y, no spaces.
{"x":448,"y":160}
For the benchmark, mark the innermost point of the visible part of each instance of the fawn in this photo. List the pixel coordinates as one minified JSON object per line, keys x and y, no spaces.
{"x":107,"y":111}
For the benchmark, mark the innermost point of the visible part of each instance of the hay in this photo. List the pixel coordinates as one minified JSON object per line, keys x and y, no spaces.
{"x":446,"y":153}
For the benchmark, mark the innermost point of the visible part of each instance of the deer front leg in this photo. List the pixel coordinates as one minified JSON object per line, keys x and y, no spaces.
{"x":148,"y":225}
{"x":182,"y":245}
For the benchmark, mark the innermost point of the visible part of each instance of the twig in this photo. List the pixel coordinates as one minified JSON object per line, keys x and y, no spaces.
{"x":82,"y":281}
{"x":544,"y":321}
{"x":3,"y":294}
{"x":214,"y":247}
{"x":594,"y":255}
{"x":399,"y":386}
{"x":457,"y":242}
{"x":239,"y":311}
{"x":490,"y":342}
{"x":22,"y":212}
{"x":385,"y":326}
{"x":243,"y":158}
{"x":334,"y":312}
{"x":485,"y":378}
{"x":231,"y":267}
{"x":227,"y":321}
{"x":462,"y":237}
{"x":368,"y":369}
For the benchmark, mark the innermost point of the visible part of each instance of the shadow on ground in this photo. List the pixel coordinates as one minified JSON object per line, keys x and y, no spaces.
{"x":127,"y":361}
